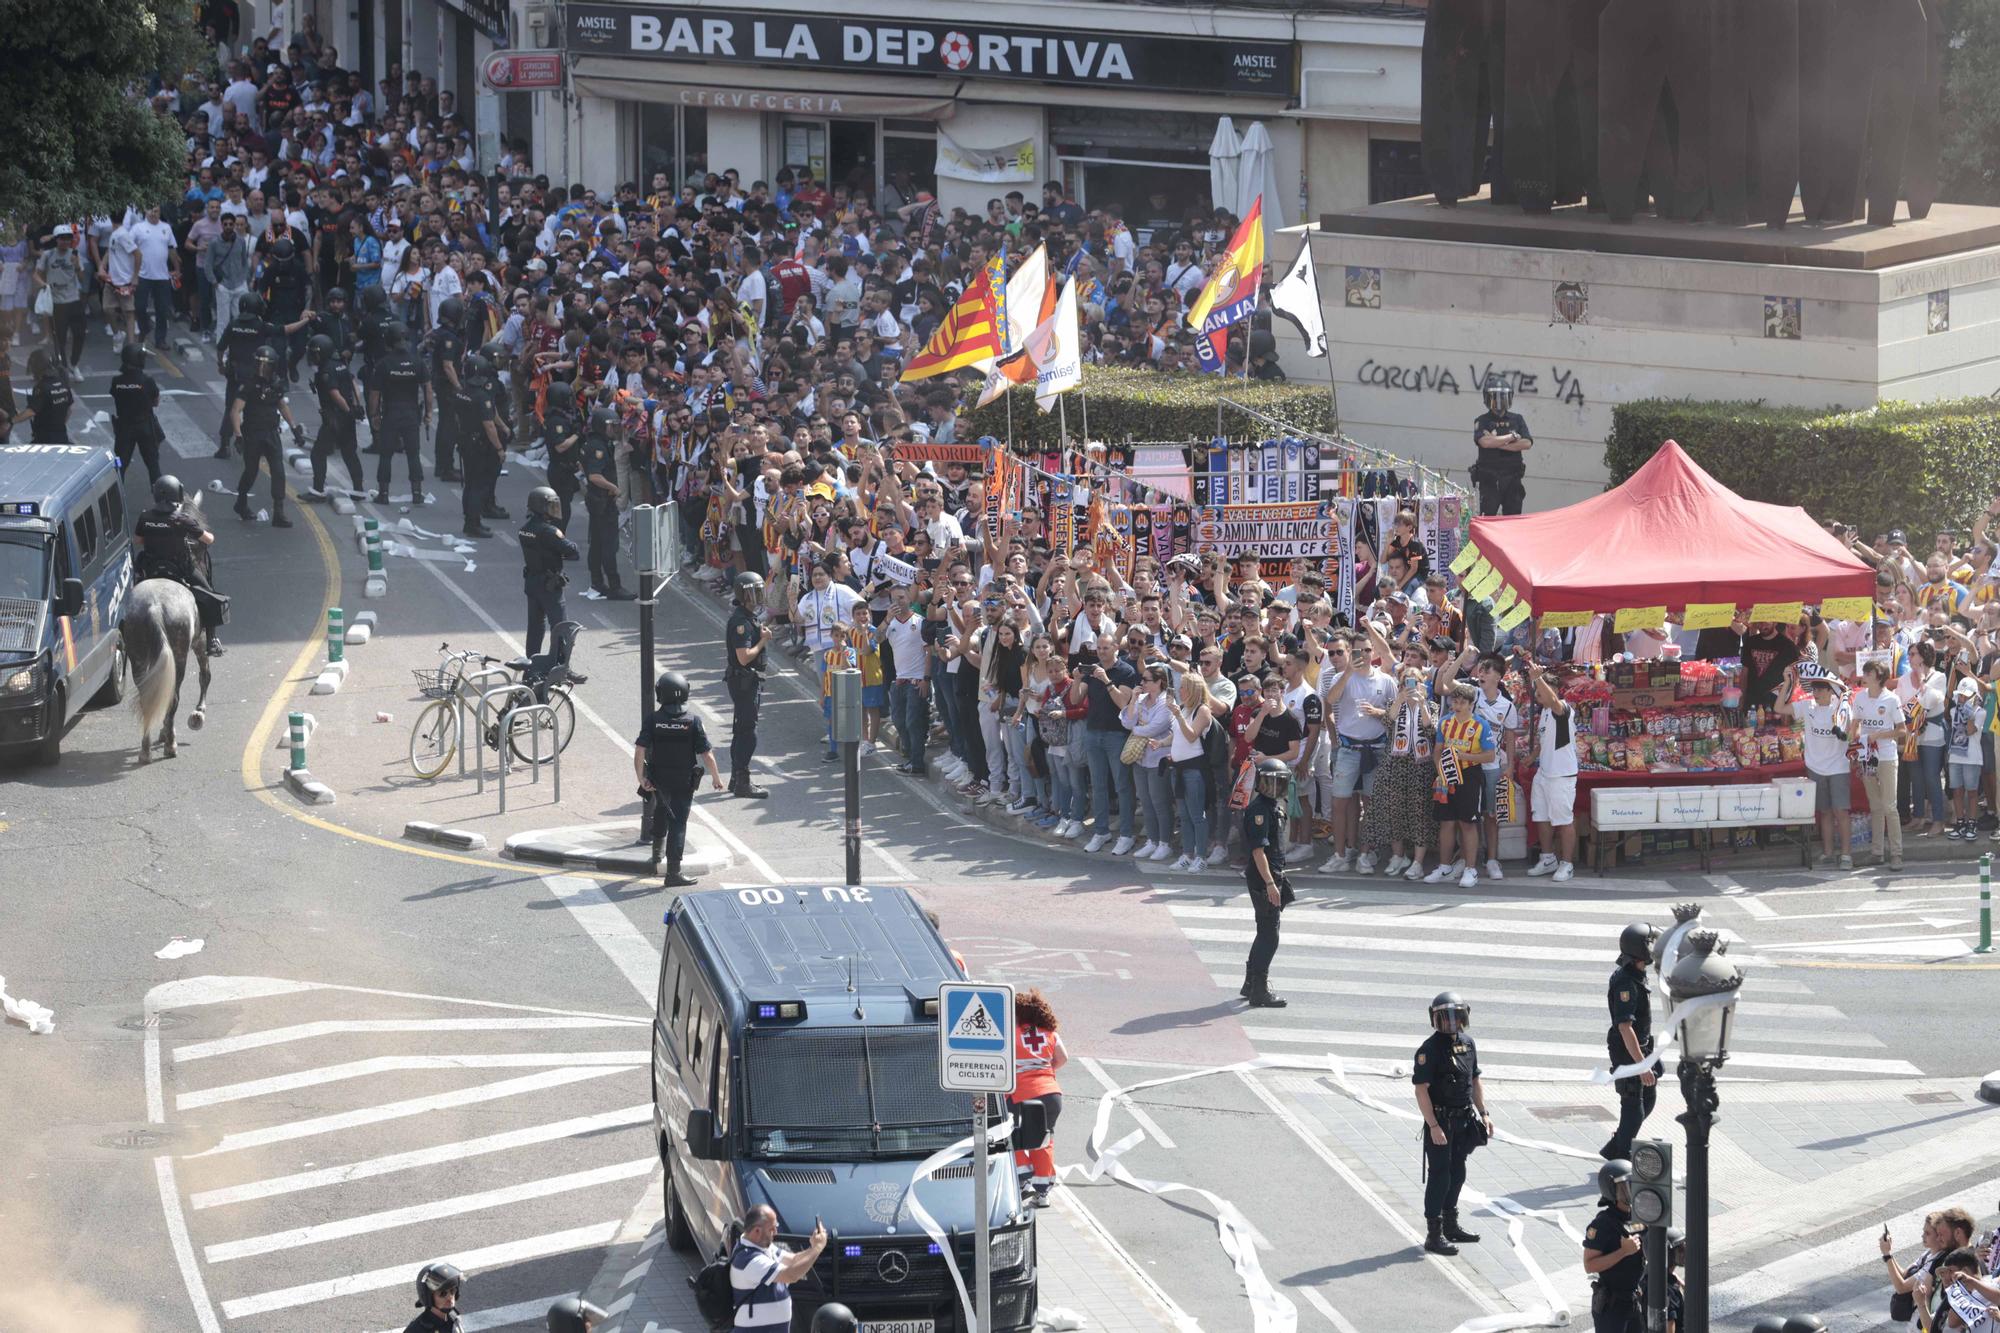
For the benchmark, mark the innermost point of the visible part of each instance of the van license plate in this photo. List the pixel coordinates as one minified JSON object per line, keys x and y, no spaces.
{"x":899,"y":1326}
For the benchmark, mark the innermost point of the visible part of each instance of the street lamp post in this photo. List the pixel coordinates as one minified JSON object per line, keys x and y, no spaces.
{"x":1706,"y":983}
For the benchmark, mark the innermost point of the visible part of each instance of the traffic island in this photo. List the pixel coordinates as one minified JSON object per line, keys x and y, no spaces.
{"x":614,"y":849}
{"x":464,"y":840}
{"x":301,"y":783}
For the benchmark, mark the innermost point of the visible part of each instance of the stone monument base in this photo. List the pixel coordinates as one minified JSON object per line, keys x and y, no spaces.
{"x":1581,"y":314}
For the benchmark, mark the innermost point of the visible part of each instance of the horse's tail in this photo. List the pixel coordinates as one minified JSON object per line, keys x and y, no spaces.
{"x":159,"y":678}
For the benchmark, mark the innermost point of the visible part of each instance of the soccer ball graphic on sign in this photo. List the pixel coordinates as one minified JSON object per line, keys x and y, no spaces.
{"x":956,"y":50}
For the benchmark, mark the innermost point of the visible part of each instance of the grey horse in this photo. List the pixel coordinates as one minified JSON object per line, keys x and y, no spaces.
{"x":162,"y":626}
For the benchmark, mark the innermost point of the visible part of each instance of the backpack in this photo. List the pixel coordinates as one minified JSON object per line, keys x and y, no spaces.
{"x":716,"y":1297}
{"x":1215,"y":746}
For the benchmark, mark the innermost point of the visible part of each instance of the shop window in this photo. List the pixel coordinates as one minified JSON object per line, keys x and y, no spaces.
{"x":1395,"y":170}
{"x":673,"y":140}
{"x":1154,"y":164}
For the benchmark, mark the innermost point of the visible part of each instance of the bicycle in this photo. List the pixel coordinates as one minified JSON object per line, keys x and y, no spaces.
{"x":434,"y":738}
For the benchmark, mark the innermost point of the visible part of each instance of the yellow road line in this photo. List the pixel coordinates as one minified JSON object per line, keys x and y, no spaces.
{"x":168,"y":364}
{"x":259,"y":743}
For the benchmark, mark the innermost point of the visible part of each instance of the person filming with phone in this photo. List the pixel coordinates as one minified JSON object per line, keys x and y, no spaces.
{"x":761,"y":1271}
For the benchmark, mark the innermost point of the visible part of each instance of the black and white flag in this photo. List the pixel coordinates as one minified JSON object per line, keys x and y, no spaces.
{"x":1296,"y":297}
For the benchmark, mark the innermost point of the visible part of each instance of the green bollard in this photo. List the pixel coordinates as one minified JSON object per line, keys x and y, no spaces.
{"x":298,"y":741}
{"x":1985,"y":903}
{"x":336,"y":634}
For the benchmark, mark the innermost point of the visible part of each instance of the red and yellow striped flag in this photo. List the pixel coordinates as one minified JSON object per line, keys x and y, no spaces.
{"x":968,"y":337}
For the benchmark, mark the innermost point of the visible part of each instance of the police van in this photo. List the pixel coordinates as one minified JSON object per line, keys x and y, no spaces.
{"x":795,"y":1064}
{"x":65,"y":570}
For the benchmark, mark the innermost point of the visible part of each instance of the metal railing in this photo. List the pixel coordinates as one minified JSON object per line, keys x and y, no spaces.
{"x":540,"y":718}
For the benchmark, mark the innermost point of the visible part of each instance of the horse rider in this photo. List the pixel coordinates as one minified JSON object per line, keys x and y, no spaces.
{"x":165,"y":542}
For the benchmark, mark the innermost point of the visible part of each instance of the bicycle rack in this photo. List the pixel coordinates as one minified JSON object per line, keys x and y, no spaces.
{"x":540,"y":718}
{"x":474,"y":679}
{"x":486,"y":712}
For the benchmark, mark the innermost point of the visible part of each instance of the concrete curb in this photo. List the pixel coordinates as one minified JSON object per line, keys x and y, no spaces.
{"x":613,"y":849}
{"x":418,"y":830}
{"x":361,"y":627}
{"x":285,"y":736}
{"x":1989,"y":1088}
{"x":301,"y":783}
{"x":331,"y":677}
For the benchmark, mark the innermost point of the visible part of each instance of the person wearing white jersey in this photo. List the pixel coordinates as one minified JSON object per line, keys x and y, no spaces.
{"x":1828,"y":725}
{"x":1554,"y":795}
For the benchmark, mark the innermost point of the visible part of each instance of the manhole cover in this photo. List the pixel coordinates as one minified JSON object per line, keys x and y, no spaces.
{"x":166,"y":1018}
{"x":1562,"y":1113}
{"x":133,"y":1138}
{"x":1932,"y":1098}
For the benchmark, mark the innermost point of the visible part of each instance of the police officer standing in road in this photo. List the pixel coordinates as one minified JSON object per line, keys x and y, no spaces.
{"x":665,"y":757}
{"x":339,"y":410}
{"x":447,"y":346}
{"x":1611,"y":1254}
{"x":747,"y":643}
{"x":562,"y":433}
{"x":480,"y":445}
{"x":1270,"y":891}
{"x":49,"y":401}
{"x":399,"y":401}
{"x":600,"y":502}
{"x":371,"y":334}
{"x":135,"y":398}
{"x":253,"y":420}
{"x":1630,"y":1038}
{"x":165,"y":541}
{"x":1453,"y":1103}
{"x":236,"y":352}
{"x":573,"y":1314}
{"x":287,"y":282}
{"x":438,"y":1286}
{"x":543,"y":550}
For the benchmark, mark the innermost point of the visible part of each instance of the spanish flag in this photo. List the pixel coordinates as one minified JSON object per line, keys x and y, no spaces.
{"x":1231,"y":293}
{"x":969,"y":335}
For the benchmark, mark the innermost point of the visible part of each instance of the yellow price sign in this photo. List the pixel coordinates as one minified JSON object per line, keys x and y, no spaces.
{"x":1484,"y":584}
{"x":1847,"y":608}
{"x":1567,"y":619}
{"x":1464,"y":559}
{"x":1776,"y":613}
{"x":1639,"y":617}
{"x":1504,"y":602}
{"x":1708,"y":615}
{"x":1520,"y":613}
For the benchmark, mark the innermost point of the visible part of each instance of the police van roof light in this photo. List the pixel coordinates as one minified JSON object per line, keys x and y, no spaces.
{"x":769,"y":1010}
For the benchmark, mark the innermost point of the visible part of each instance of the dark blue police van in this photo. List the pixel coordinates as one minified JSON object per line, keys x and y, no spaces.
{"x":795,"y":1064}
{"x":65,"y":569}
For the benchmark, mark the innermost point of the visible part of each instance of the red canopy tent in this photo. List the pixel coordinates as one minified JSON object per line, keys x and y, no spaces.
{"x":1670,"y":536}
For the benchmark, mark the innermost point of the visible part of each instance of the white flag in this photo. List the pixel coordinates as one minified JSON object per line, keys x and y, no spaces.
{"x":1296,"y":297}
{"x":1060,"y":358}
{"x":1024,"y":298}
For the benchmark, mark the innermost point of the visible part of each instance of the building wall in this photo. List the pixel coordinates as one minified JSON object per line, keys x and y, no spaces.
{"x":738,"y":139}
{"x":989,"y":126}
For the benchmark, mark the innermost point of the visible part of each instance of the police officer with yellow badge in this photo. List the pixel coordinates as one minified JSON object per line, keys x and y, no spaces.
{"x":1630,"y":1038}
{"x":748,"y":644}
{"x":1611,"y":1254}
{"x":666,"y":757}
{"x":1453,"y":1103}
{"x":1264,"y":873}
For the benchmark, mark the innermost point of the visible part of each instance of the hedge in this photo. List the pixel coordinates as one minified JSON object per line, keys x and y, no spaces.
{"x":1924,"y":467}
{"x":1128,"y":404}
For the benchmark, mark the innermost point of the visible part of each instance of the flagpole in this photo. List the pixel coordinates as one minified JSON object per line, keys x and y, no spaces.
{"x":1332,"y":381}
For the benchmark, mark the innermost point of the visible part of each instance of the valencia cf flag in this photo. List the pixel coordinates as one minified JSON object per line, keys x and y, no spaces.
{"x":968,"y":337}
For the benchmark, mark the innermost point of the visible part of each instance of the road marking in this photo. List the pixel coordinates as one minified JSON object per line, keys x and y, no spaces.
{"x":1066,"y":1198}
{"x":1417,"y":921}
{"x":1131,"y":1104}
{"x":606,"y":923}
{"x":1591,"y":1003}
{"x":394,"y":1064}
{"x":428,"y":1211}
{"x":381,"y":1279}
{"x":1452,"y":949}
{"x":1809,"y":1270}
{"x":576,"y":1127}
{"x":183,"y":436}
{"x":248,"y":1041}
{"x":183,"y":1247}
{"x":1925,"y":922}
{"x":1907,"y":946}
{"x":372,"y":1115}
{"x":1569,"y":1051}
{"x":1331,"y":1315}
{"x":1592,"y":983}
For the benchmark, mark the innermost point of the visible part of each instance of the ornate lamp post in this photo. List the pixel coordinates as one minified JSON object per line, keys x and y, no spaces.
{"x":1706,"y":983}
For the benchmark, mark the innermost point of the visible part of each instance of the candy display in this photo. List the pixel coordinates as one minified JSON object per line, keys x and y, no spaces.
{"x":1668,"y":716}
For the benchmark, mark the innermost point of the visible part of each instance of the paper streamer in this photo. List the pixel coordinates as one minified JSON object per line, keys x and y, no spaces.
{"x":37,"y":1018}
{"x":927,"y":1168}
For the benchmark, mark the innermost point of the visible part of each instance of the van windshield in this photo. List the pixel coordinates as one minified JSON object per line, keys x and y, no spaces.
{"x":24,"y":592}
{"x":843,"y":1094}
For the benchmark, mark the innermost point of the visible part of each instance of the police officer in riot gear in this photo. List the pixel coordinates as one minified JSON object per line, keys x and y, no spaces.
{"x":164,"y":545}
{"x":339,"y":413}
{"x":287,"y":294}
{"x":747,"y":643}
{"x":1502,"y":437}
{"x":1630,"y":1038}
{"x":135,"y":424}
{"x":438,"y":1286}
{"x":399,"y":401}
{"x":480,"y":445}
{"x":1453,"y":1103}
{"x":1264,"y":875}
{"x":666,"y":756}
{"x":253,"y":420}
{"x":236,"y":352}
{"x":543,"y":550}
{"x":1611,"y":1254}
{"x":833,"y":1317}
{"x":562,"y":437}
{"x":371,"y":329}
{"x":337,"y":323}
{"x":447,"y":349}
{"x":573,"y":1314}
{"x":1676,"y":1293}
{"x":50,"y":400}
{"x":600,"y":502}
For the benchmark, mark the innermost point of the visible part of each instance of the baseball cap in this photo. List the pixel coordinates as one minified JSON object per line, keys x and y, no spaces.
{"x":1967,"y":688}
{"x":1897,"y":537}
{"x":567,"y":234}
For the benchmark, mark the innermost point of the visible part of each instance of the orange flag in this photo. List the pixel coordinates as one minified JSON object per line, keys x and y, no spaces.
{"x":969,"y":335}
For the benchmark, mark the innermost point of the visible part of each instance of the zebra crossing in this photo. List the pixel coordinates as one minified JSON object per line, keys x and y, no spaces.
{"x":328,"y":1141}
{"x":1359,"y":969}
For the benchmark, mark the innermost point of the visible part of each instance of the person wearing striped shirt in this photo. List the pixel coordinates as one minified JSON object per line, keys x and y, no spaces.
{"x":1465,"y":743}
{"x":1940,"y":591}
{"x":761,"y":1272}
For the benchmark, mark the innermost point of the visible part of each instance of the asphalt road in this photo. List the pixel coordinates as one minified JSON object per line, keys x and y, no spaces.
{"x":410,"y":1054}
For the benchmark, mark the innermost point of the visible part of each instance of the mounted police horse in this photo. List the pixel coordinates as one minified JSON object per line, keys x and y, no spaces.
{"x":161,"y":628}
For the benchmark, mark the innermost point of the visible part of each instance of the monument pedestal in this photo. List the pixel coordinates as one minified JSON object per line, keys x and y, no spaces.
{"x":1581,"y":314}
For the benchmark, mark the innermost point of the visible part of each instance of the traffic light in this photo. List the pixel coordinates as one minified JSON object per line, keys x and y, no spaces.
{"x":1653,"y":1183}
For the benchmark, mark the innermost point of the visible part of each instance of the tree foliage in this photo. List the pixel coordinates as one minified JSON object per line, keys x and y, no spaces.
{"x":1969,"y":149}
{"x":77,"y":136}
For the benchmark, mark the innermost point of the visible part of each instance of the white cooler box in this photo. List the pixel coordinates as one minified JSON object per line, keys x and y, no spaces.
{"x":1747,"y":803}
{"x":1687,"y":805}
{"x":1795,"y":798}
{"x":1624,"y":807}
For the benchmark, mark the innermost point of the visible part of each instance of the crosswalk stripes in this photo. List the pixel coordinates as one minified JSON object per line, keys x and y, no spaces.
{"x":1358,"y":975}
{"x":333,"y":1140}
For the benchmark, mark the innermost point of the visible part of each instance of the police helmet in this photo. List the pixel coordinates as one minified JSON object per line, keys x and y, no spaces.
{"x":1274,"y":777}
{"x":834,"y":1317}
{"x":478,"y":367}
{"x":396,"y":335}
{"x":603,"y":420}
{"x":562,"y":395}
{"x":251,"y":305}
{"x":40,"y":362}
{"x":1614,"y":1182}
{"x":495,"y":351}
{"x":1636,"y":941}
{"x":1676,"y":1237}
{"x":1805,"y":1323}
{"x":573,"y":1314}
{"x":132,"y":355}
{"x":373,"y":298}
{"x":168,"y":492}
{"x":451,"y":312}
{"x":544,"y":501}
{"x":670,"y":691}
{"x":1448,"y":1008}
{"x":281,"y":249}
{"x":434,"y":1279}
{"x":336,"y":294}
{"x":1770,"y":1323}
{"x":320,"y":348}
{"x":1499,"y":395}
{"x":266,"y":360}
{"x":749,"y":586}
